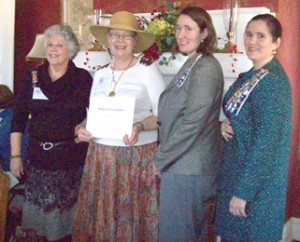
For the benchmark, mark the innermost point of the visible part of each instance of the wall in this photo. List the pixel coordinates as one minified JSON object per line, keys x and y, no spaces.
{"x":32,"y":17}
{"x":7,"y":38}
{"x":289,"y":15}
{"x":110,"y":6}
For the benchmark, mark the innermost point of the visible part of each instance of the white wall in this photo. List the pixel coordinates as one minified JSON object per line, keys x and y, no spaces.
{"x":7,"y":36}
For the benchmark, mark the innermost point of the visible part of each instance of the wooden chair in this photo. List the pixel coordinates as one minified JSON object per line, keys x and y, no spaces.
{"x":4,"y":187}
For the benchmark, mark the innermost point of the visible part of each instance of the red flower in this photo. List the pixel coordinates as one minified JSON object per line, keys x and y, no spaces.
{"x":150,"y":55}
{"x":233,"y":48}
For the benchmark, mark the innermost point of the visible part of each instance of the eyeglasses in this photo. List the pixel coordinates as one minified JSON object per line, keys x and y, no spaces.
{"x":126,"y":36}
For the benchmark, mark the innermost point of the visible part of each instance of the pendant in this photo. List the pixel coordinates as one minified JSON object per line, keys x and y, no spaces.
{"x":111,"y":94}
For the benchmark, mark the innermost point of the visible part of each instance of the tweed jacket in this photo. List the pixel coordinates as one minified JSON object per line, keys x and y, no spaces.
{"x":188,"y":119}
{"x":255,"y":161}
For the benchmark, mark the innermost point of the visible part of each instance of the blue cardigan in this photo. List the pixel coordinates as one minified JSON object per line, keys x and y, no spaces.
{"x":5,"y":124}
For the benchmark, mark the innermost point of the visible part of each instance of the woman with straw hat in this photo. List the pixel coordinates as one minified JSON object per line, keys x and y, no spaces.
{"x":118,"y":199}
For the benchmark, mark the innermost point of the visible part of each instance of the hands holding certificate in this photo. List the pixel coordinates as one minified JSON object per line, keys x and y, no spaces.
{"x":110,"y":118}
{"x":149,"y":123}
{"x":85,"y":136}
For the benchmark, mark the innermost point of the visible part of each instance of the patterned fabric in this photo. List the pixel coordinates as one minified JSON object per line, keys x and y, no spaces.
{"x":240,"y":96}
{"x":118,"y":199}
{"x":26,"y":235}
{"x":56,"y":189}
{"x":255,"y":161}
{"x":50,"y":198}
{"x":180,"y":81}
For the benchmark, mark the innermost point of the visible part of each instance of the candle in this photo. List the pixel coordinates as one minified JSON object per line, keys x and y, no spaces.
{"x":80,"y":30}
{"x":231,"y":16}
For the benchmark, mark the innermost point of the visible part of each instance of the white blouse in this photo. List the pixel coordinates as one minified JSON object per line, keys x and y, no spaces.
{"x":144,"y":83}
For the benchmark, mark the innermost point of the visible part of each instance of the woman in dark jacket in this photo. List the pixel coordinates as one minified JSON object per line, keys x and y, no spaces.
{"x":54,"y":99}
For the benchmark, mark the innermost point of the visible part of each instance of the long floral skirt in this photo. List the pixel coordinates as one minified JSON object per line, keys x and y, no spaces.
{"x":50,"y":198}
{"x":118,"y":198}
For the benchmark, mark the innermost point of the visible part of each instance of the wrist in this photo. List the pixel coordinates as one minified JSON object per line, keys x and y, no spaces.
{"x":13,"y":157}
{"x":141,"y":126}
{"x":77,"y":127}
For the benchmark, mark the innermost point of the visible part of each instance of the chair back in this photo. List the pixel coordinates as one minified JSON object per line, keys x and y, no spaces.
{"x":4,"y":187}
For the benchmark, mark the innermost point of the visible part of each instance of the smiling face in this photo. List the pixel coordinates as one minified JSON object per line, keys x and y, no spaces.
{"x":188,"y":35}
{"x":57,"y":52}
{"x":259,"y":43}
{"x":121,"y":42}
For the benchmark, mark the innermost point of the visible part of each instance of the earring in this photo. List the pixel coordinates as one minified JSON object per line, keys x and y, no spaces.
{"x":274,"y":52}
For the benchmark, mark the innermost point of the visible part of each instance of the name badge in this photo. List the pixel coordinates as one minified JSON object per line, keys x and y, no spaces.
{"x":101,"y":86}
{"x":38,"y":94}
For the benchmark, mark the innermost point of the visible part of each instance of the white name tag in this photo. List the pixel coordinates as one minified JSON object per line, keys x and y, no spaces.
{"x":38,"y":94}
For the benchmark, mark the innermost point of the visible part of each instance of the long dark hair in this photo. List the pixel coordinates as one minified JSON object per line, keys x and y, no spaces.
{"x":6,"y":97}
{"x":204,"y":21}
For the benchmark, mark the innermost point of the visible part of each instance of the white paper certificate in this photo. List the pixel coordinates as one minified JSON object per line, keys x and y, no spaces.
{"x":110,"y":117}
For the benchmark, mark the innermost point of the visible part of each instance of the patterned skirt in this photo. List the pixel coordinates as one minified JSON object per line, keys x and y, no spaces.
{"x":118,"y":198}
{"x":50,"y":198}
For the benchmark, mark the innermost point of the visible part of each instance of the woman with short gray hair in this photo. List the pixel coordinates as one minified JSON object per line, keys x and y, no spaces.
{"x":55,"y":97}
{"x":67,"y":33}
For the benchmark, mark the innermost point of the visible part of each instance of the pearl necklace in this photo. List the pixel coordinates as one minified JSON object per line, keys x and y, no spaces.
{"x":113,"y":93}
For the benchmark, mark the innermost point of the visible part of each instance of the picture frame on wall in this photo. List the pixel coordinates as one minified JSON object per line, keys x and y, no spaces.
{"x":77,"y":13}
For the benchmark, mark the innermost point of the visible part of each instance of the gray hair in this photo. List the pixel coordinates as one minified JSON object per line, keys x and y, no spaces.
{"x":67,"y":33}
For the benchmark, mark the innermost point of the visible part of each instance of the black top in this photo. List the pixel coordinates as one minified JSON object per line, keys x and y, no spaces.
{"x":54,"y":120}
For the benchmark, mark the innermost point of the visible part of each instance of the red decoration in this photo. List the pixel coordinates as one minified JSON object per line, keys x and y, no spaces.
{"x":150,"y":55}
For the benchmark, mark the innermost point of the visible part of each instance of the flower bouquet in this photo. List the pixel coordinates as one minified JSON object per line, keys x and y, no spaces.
{"x":163,"y":26}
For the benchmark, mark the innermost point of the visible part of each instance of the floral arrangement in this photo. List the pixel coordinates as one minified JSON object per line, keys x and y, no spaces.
{"x":163,"y":26}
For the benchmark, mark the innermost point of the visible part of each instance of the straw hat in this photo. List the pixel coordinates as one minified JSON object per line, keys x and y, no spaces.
{"x":126,"y":21}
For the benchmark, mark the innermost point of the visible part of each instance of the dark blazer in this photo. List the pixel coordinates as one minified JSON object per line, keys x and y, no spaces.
{"x":188,"y":118}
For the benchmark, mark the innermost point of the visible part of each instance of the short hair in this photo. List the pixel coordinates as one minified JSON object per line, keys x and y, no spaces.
{"x":204,"y":21}
{"x":67,"y":33}
{"x":272,"y":23}
{"x":6,"y":97}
